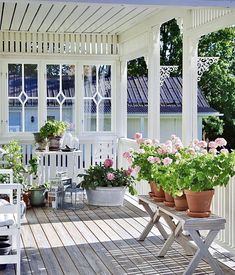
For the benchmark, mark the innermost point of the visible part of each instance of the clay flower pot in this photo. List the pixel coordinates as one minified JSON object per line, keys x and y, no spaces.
{"x":156,"y":192}
{"x":199,"y":203}
{"x":181,"y":203}
{"x":26,"y":199}
{"x":169,"y":200}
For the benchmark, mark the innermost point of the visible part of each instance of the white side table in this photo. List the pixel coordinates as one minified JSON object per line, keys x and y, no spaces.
{"x":51,"y":162}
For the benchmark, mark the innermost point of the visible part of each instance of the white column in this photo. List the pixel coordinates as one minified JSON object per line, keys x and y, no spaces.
{"x":154,"y":83}
{"x":121,"y":99}
{"x":189,"y":98}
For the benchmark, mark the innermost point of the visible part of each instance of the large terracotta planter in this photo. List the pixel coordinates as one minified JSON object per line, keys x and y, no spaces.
{"x":181,"y":203}
{"x":169,"y":200}
{"x":156,"y":192}
{"x":199,"y":203}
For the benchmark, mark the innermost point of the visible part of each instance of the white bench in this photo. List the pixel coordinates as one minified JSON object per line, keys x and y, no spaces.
{"x":10,"y":214}
{"x":192,"y":225}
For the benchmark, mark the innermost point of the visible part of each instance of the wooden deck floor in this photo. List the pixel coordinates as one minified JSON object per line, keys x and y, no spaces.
{"x":96,"y":241}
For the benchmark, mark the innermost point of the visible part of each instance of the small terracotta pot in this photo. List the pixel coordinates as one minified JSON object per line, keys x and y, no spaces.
{"x":199,"y":203}
{"x":169,"y":200}
{"x":156,"y":192}
{"x":26,"y":199}
{"x":181,"y":203}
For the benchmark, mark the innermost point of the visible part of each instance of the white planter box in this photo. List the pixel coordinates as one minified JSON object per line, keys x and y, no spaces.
{"x":106,"y":196}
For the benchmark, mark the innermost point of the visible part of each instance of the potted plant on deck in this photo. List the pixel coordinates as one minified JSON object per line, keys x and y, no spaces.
{"x":53,"y":130}
{"x":106,"y":186}
{"x":206,"y":169}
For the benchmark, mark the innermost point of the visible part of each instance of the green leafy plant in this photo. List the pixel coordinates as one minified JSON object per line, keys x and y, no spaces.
{"x":53,"y":128}
{"x":13,"y":158}
{"x":106,"y":176}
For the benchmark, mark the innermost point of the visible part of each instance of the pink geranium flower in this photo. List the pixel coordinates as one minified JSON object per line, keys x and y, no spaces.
{"x":221,"y":142}
{"x":202,"y":144}
{"x":129,"y":171}
{"x":126,"y":155}
{"x":167,"y":161}
{"x":110,"y":176}
{"x":224,"y":151}
{"x":213,"y":145}
{"x":137,"y":136}
{"x":213,"y":151}
{"x":108,"y":163}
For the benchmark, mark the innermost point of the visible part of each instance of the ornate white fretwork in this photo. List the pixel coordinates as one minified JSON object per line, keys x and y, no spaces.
{"x":203,"y":64}
{"x":165,"y":72}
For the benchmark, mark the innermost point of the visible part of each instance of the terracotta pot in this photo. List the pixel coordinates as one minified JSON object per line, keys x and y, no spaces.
{"x":26,"y":199}
{"x":54,"y":143}
{"x":181,"y":203}
{"x":169,"y":200}
{"x":199,"y":203}
{"x":156,"y":192}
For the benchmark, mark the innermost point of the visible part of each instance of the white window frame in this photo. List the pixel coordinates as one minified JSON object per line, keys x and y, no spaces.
{"x":42,"y":61}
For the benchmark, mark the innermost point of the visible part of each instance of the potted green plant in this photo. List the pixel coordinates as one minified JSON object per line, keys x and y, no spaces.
{"x":106,"y":186}
{"x":41,"y":141}
{"x":143,"y":163}
{"x":38,"y":194}
{"x":53,"y":130}
{"x":204,"y":170}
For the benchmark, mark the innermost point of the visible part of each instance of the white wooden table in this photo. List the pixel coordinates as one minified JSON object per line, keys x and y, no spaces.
{"x":51,"y":162}
{"x":213,"y":225}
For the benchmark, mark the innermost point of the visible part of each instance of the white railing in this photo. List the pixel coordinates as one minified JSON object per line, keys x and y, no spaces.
{"x":223,"y":202}
{"x":94,"y":150}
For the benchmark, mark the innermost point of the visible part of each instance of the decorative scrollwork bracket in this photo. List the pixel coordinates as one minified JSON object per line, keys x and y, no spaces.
{"x":165,"y":72}
{"x":203,"y":65}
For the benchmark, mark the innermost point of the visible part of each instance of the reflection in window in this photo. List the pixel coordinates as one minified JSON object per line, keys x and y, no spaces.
{"x":23,"y":97}
{"x":97,"y":98}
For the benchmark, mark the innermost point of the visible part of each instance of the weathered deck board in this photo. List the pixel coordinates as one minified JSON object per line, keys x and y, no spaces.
{"x":96,"y":241}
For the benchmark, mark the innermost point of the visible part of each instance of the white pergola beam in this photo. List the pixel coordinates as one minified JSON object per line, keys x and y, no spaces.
{"x":154,"y":83}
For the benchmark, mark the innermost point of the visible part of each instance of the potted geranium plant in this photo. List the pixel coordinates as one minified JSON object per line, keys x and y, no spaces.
{"x":53,"y":130}
{"x":106,"y":186}
{"x":143,"y":162}
{"x":206,"y":169}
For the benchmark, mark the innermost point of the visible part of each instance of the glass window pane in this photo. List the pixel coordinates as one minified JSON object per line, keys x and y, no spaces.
{"x":105,"y":115}
{"x":68,"y":113}
{"x":89,"y":80}
{"x":14,"y":80}
{"x":31,"y":115}
{"x":90,"y":115}
{"x":68,"y":80}
{"x":53,"y":109}
{"x":31,"y":80}
{"x":15,"y":115}
{"x":105,"y":80}
{"x":53,"y":80}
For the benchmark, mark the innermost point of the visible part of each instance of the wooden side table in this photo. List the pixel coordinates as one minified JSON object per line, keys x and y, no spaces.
{"x":192,"y":225}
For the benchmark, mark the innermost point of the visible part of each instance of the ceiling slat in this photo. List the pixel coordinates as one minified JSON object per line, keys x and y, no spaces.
{"x":7,"y":15}
{"x":86,"y":15}
{"x":62,"y":17}
{"x":111,"y":13}
{"x":18,"y":16}
{"x":51,"y":16}
{"x":93,"y":18}
{"x":72,"y":18}
{"x":30,"y":14}
{"x":113,"y":28}
{"x":38,"y":19}
{"x":116,"y":18}
{"x":130,"y":23}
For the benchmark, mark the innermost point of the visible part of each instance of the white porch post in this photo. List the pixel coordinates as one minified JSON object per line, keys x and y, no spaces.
{"x":154,"y":83}
{"x":189,"y":98}
{"x":121,"y":98}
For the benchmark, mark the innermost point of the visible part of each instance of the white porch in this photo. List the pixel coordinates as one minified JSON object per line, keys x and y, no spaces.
{"x":111,"y":33}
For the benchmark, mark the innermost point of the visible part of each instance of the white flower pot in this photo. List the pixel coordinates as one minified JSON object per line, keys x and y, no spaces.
{"x":106,"y":196}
